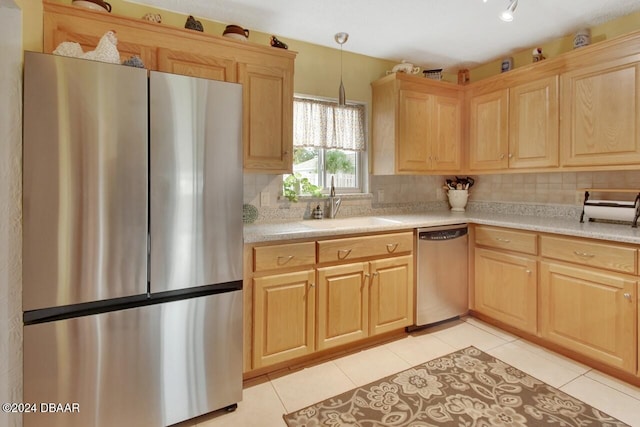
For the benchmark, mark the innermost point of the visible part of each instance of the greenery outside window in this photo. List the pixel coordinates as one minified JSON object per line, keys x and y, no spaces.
{"x":329,"y":141}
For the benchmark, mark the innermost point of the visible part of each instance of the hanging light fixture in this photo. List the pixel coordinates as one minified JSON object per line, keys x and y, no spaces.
{"x":341,"y":38}
{"x":507,"y":15}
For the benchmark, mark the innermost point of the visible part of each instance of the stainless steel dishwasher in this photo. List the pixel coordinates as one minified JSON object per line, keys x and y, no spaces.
{"x":442,"y":277}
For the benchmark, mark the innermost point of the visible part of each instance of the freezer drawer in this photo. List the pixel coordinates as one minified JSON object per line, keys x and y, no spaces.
{"x":147,"y":366}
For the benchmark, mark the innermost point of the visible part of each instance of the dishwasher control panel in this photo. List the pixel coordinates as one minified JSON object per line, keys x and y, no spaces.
{"x":442,"y":234}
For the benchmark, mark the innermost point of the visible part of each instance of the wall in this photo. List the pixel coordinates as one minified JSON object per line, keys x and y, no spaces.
{"x":10,"y":208}
{"x":608,"y":30}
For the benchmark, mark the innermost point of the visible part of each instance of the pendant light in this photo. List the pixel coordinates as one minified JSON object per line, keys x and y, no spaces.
{"x":341,"y":38}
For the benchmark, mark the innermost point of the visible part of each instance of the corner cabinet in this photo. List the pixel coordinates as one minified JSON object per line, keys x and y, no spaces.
{"x":505,"y":276}
{"x":417,"y":126}
{"x":265,"y":72}
{"x":515,"y":127}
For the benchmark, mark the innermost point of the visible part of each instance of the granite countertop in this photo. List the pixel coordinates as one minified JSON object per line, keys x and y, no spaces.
{"x":303,"y":229}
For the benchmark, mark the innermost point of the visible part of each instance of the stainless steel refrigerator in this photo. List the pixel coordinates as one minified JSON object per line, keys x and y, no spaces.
{"x":132,"y":244}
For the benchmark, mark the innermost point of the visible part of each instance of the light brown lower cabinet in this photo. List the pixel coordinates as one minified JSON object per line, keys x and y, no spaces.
{"x":316,"y":295}
{"x":391,"y":294}
{"x":363,"y":299}
{"x":591,"y":312}
{"x":283,"y":317}
{"x":506,"y":288}
{"x":343,"y":304}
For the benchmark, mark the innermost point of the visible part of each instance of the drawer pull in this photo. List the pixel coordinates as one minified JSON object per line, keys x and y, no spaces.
{"x":375,"y":274}
{"x":500,"y":239}
{"x":345,"y":253}
{"x":583,"y":254}
{"x":391,"y":247}
{"x":282,"y":260}
{"x":627,"y":295}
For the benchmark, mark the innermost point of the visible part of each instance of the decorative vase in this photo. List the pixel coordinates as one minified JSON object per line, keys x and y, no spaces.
{"x":458,"y":199}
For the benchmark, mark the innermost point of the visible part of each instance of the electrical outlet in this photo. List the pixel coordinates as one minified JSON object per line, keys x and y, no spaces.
{"x":264,"y":198}
{"x":380,"y":196}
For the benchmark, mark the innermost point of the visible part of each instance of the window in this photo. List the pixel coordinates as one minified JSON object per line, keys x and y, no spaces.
{"x":329,"y":141}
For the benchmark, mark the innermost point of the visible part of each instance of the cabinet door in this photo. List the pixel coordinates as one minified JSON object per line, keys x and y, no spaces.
{"x":392,"y":289}
{"x":196,"y":65}
{"x":283,"y":317}
{"x":343,"y":296}
{"x":600,"y":114}
{"x":533,"y":124}
{"x":489,"y":128}
{"x":446,"y":136}
{"x":591,"y":312}
{"x":268,"y":117}
{"x":413,"y":131}
{"x":505,"y":288}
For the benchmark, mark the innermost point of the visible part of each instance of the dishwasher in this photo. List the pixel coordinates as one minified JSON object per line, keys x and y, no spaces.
{"x":442,"y":274}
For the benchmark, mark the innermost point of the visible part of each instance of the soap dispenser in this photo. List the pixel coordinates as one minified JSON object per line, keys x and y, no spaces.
{"x":317,"y":212}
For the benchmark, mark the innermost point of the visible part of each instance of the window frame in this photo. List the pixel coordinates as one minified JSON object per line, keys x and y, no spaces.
{"x":362,"y":157}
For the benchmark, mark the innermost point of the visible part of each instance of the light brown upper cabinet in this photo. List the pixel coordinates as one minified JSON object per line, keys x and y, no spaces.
{"x":417,"y":126}
{"x":533,"y":124}
{"x":268,"y":116}
{"x":515,"y":127}
{"x":489,"y":130}
{"x":601,"y":113}
{"x":196,"y":65}
{"x":266,"y":73}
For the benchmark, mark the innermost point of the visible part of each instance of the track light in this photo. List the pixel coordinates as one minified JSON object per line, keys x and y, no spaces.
{"x":341,"y":38}
{"x":507,"y":15}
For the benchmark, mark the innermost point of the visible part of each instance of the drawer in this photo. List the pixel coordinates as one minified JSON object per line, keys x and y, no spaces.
{"x":587,"y":252}
{"x":518,"y":241}
{"x":366,"y":246}
{"x":284,"y":256}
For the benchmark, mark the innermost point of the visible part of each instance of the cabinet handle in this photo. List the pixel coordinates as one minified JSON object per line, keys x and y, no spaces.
{"x":510,"y":155}
{"x":313,"y":285}
{"x":627,"y":295}
{"x":500,"y":239}
{"x":367,"y":275}
{"x":375,"y":274}
{"x":282,"y":260}
{"x":584,"y":254}
{"x":528,"y":271}
{"x":501,"y":156}
{"x":391,"y":247}
{"x":346,"y":253}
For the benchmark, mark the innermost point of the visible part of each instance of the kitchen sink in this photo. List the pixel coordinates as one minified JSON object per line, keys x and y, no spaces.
{"x":352,"y":222}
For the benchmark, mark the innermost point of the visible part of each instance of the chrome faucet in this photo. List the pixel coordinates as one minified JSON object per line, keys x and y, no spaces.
{"x":334,"y":203}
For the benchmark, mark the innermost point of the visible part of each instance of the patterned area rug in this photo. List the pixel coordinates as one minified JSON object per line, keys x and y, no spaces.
{"x":467,"y":388}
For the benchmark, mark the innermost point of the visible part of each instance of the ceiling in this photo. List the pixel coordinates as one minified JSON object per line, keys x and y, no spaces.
{"x":447,"y":34}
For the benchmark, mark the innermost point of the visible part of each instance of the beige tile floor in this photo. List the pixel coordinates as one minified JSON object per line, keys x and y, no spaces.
{"x":265,"y":401}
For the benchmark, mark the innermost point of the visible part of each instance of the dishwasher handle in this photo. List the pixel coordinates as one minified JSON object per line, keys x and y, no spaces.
{"x":438,"y":235}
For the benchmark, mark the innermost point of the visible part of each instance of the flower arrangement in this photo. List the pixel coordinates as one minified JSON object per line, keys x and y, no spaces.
{"x":459,"y":183}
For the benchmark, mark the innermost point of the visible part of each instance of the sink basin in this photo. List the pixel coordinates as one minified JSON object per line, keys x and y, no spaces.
{"x":353,"y":222}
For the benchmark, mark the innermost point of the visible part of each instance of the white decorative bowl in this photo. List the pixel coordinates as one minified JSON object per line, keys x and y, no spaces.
{"x":89,"y":5}
{"x":458,"y":199}
{"x":236,"y":36}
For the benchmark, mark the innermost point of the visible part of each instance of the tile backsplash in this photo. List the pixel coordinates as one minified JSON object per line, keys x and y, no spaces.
{"x":404,"y":194}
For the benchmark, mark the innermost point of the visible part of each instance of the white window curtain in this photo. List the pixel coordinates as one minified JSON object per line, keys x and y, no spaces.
{"x":324,"y":124}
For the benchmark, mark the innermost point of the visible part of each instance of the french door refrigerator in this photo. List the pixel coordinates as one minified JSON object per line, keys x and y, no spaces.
{"x":132,"y":244}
